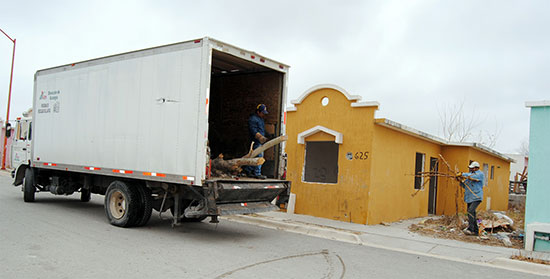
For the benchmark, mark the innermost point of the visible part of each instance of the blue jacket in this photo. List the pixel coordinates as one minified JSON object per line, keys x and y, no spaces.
{"x":256,"y":125}
{"x":473,"y":190}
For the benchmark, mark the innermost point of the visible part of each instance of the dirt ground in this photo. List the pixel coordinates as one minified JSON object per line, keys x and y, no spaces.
{"x":451,"y":227}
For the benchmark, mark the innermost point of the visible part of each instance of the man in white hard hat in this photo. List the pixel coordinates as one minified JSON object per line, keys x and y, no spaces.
{"x":472,"y":182}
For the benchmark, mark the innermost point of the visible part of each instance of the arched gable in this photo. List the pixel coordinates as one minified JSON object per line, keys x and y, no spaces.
{"x":338,"y":137}
{"x":354,"y":99}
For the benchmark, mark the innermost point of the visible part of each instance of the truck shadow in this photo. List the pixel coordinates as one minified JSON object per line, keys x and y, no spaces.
{"x":206,"y":232}
{"x":225,"y":231}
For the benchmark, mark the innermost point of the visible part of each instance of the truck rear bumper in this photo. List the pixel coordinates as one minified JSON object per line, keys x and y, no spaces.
{"x":245,"y":208}
{"x":247,"y":191}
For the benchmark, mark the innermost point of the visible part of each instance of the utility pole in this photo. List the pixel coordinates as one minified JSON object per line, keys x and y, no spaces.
{"x":9,"y":99}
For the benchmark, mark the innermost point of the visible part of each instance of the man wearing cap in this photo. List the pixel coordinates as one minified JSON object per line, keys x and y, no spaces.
{"x":473,"y":194}
{"x":256,"y":130}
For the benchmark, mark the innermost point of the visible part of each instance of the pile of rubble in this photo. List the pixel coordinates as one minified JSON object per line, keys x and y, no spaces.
{"x":496,"y":228}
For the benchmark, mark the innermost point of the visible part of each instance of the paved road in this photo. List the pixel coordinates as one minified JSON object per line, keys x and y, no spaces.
{"x":61,"y":237}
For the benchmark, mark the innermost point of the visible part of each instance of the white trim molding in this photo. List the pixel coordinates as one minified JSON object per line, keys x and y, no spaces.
{"x":322,"y":86}
{"x":355,"y":99}
{"x":339,"y":137}
{"x":530,"y":230}
{"x":545,"y":103}
{"x":365,"y":104}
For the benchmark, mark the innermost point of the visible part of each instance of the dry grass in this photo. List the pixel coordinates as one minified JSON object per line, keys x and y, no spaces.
{"x":529,"y":259}
{"x":450,"y":227}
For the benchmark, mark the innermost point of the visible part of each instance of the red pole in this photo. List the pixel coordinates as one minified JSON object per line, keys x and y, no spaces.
{"x":9,"y":99}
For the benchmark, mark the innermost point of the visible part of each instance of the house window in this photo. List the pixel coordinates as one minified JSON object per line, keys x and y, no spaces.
{"x":418,"y":168}
{"x":485,"y":173}
{"x":492,"y":172}
{"x":321,"y":163}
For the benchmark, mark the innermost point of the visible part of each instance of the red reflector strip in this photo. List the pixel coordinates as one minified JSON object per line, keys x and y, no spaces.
{"x":262,"y":60}
{"x":50,"y":164}
{"x":122,"y":171}
{"x":154,"y":174}
{"x":271,"y":187}
{"x":188,"y":178}
{"x":244,"y":204}
{"x":252,"y":56}
{"x":281,"y":67}
{"x":197,"y":41}
{"x":284,"y":119}
{"x":92,"y":168}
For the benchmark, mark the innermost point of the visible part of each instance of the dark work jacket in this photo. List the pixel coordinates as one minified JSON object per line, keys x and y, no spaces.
{"x":256,"y":125}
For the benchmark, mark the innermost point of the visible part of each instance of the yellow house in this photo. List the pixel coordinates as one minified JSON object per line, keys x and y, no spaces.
{"x":346,"y":165}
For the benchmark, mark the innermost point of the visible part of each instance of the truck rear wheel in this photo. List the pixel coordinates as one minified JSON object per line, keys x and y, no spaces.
{"x":146,"y":207}
{"x":121,"y":204}
{"x":85,"y":195}
{"x":28,"y":185}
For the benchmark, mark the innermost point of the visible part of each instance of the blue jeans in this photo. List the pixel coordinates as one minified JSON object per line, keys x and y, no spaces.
{"x":472,"y":220}
{"x":254,"y":170}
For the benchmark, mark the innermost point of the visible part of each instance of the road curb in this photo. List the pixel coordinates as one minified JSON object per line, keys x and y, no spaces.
{"x":353,"y":237}
{"x":535,"y":268}
{"x":312,"y":230}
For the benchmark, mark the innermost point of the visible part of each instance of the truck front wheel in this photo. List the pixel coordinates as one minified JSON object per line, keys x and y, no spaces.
{"x":121,"y":204}
{"x":28,"y":186}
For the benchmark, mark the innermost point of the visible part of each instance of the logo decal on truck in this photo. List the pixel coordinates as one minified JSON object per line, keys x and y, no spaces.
{"x":49,"y":101}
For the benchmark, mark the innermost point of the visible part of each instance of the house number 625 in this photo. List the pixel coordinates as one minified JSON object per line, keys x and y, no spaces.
{"x":361,"y":155}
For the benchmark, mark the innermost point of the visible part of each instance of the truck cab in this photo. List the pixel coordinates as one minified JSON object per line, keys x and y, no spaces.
{"x":21,"y":144}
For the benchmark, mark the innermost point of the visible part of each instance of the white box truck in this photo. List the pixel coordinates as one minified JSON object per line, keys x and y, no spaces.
{"x":141,"y":127}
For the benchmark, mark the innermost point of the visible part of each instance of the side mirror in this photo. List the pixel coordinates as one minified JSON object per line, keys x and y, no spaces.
{"x":8,"y":130}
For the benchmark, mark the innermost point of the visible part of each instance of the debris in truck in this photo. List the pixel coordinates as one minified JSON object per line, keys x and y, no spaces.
{"x":265,"y":146}
{"x":223,"y":168}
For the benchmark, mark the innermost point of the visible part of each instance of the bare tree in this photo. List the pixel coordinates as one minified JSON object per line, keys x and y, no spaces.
{"x":461,"y":126}
{"x":456,"y":125}
{"x":524,"y":148}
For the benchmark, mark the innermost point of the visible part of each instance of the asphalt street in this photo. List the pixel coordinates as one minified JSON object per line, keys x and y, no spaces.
{"x":61,"y":237}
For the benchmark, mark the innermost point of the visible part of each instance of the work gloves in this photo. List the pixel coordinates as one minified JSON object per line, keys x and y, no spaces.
{"x":261,"y":138}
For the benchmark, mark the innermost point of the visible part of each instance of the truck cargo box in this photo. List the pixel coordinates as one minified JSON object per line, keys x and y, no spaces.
{"x":151,"y":112}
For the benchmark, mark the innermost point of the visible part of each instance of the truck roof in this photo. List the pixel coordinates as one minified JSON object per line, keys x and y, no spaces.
{"x":216,"y":44}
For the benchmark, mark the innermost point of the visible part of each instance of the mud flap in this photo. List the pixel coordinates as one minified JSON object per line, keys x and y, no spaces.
{"x":19,"y":175}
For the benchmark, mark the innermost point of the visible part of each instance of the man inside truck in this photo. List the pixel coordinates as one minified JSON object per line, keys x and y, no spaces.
{"x":256,"y":130}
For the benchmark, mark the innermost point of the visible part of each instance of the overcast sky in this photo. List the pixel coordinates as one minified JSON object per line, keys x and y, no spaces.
{"x":414,"y":57}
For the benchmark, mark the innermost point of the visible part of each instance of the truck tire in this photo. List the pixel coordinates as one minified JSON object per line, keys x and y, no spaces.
{"x":122,"y":204}
{"x":146,"y":207}
{"x":28,"y":186}
{"x":85,"y":195}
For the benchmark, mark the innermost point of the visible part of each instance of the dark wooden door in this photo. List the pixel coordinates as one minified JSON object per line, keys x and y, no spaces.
{"x":432,"y":196}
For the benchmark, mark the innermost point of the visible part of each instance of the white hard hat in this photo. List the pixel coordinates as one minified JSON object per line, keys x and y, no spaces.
{"x":474,"y":164}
